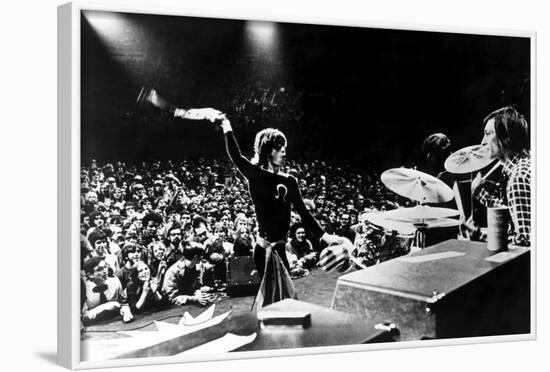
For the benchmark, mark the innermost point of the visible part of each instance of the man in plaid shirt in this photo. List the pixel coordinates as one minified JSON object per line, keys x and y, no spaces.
{"x":507,"y":137}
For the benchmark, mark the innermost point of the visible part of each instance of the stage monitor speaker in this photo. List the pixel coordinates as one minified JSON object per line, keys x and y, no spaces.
{"x":242,"y":276}
{"x":452,"y":289}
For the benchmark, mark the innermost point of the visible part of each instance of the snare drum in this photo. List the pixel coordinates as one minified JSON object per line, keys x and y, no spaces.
{"x":379,"y":239}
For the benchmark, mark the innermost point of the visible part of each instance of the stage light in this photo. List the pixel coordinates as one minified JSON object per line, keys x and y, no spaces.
{"x":124,"y":41}
{"x":262,"y":33}
{"x":108,"y":25}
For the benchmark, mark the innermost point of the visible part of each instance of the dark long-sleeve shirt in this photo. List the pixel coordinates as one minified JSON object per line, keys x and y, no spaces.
{"x":134,"y":292}
{"x":272,"y":194}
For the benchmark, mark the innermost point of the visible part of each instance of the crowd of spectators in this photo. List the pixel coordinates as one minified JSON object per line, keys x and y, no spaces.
{"x":253,"y":104}
{"x":159,"y":234}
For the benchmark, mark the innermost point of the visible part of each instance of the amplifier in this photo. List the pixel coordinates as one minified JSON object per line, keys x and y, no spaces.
{"x":452,"y":289}
{"x":242,"y":277}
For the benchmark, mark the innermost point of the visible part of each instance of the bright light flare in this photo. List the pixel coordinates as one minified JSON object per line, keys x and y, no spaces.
{"x":262,"y":33}
{"x":110,"y":26}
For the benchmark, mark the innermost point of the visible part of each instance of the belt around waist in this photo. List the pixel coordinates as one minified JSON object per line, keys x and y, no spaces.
{"x":265,"y":244}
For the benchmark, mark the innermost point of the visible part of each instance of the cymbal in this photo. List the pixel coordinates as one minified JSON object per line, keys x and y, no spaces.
{"x":417,"y":185}
{"x":469,"y":159}
{"x":442,"y":222}
{"x":421,"y":213}
{"x":381,"y":219}
{"x":391,"y":221}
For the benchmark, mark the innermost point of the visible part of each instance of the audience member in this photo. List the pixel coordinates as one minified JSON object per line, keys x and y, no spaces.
{"x":178,"y":221}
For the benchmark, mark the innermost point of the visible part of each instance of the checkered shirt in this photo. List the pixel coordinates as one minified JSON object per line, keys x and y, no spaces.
{"x":516,"y":195}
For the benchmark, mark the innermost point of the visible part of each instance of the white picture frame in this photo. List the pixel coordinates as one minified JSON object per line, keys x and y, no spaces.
{"x":68,"y":187}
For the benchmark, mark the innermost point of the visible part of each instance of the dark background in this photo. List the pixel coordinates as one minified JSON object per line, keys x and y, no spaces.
{"x":358,"y":95}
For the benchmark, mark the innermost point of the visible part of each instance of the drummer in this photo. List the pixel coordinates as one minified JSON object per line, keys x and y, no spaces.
{"x":435,"y":149}
{"x":506,"y":135}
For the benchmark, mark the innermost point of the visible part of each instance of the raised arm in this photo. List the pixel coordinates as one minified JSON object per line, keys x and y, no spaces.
{"x":234,"y":152}
{"x":338,"y":255}
{"x":232,"y":147}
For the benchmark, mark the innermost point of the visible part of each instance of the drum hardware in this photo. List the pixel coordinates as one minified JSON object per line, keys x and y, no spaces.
{"x":381,"y":238}
{"x":470,"y":159}
{"x":420,"y":238}
{"x":421,"y":213}
{"x":417,"y":186}
{"x":424,"y":188}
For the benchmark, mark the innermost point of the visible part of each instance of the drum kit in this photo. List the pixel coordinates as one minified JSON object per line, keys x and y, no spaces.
{"x":401,"y":228}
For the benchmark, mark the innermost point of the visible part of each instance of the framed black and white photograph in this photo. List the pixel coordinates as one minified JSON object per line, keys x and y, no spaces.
{"x":234,"y":187}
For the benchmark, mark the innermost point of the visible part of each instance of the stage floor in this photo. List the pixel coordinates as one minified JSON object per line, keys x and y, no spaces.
{"x":316,"y":288}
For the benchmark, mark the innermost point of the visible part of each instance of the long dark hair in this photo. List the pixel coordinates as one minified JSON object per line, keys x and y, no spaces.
{"x":294,"y":228}
{"x":511,"y":130}
{"x":435,"y":150}
{"x":112,"y":194}
{"x":133,"y":277}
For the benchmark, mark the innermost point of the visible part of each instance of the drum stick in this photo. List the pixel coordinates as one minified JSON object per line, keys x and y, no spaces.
{"x":490,"y":171}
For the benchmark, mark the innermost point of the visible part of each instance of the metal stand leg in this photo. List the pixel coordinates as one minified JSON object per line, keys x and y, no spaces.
{"x":420,"y":237}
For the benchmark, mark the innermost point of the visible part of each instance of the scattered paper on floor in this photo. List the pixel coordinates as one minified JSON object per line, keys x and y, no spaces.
{"x":224,"y":344}
{"x":110,"y":348}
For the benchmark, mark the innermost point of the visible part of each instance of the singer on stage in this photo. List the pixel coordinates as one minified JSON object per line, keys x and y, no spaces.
{"x":273,"y":192}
